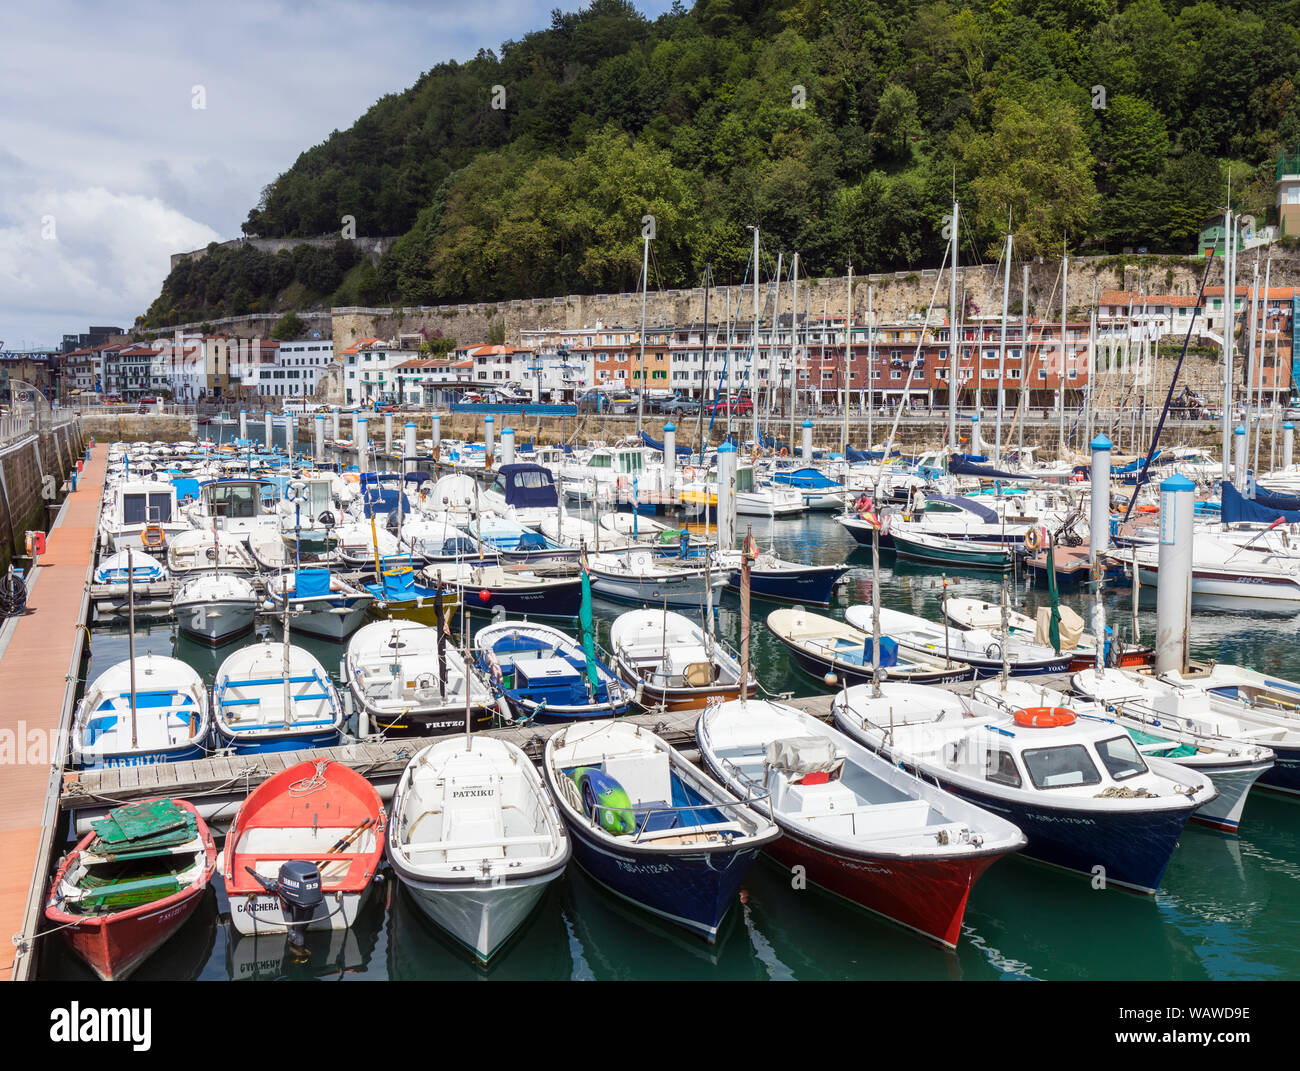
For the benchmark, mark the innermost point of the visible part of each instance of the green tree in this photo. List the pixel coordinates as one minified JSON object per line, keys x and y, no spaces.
{"x":288,"y":327}
{"x":896,"y":123}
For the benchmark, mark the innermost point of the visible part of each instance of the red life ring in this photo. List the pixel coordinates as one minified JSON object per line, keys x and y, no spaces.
{"x":1033,"y":541}
{"x":688,"y":473}
{"x":1078,"y":477}
{"x":1043,"y":717}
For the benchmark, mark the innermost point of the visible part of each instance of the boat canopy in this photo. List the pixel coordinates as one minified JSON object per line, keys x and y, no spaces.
{"x":1265,"y":508}
{"x":981,"y":511}
{"x":655,"y":444}
{"x":527,"y":486}
{"x":310,"y":583}
{"x":962,"y":465}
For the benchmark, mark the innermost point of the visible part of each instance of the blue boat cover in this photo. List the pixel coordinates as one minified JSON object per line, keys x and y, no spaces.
{"x":888,"y":652}
{"x":958,"y":465}
{"x":382,"y":500}
{"x":1236,"y":507}
{"x":655,"y":444}
{"x":1134,"y":465}
{"x":806,"y":479}
{"x":528,"y":486}
{"x":309,"y":583}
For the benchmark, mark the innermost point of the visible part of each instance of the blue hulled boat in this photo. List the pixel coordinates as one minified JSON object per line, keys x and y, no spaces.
{"x":651,"y":827}
{"x":546,"y":675}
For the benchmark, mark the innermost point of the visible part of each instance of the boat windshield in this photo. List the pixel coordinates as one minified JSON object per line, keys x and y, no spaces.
{"x":1121,"y":758}
{"x":1061,"y":767}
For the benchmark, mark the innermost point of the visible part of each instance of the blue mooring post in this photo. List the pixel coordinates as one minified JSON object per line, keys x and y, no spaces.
{"x":1174,"y":576}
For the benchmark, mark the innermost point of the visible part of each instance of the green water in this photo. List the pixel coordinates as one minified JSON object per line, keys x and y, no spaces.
{"x":1228,"y":906}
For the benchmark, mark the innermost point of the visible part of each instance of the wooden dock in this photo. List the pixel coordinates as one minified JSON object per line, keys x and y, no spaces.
{"x":39,"y":667}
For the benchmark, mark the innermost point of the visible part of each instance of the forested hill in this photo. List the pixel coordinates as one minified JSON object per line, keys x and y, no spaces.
{"x":838,"y":126}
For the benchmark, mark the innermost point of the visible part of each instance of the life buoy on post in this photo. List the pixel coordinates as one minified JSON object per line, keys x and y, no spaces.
{"x":785,"y":452}
{"x":1033,"y":541}
{"x":688,"y":473}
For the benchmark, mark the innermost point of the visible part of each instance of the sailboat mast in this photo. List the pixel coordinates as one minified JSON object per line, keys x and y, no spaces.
{"x":871,"y":364}
{"x":1258,"y":376}
{"x":848,"y":348}
{"x":953,"y":375}
{"x":1060,"y":394}
{"x":1229,"y":326}
{"x":1002,"y":354}
{"x":753,"y":349}
{"x":645,"y":283}
{"x":130,"y":636}
{"x":794,"y":344}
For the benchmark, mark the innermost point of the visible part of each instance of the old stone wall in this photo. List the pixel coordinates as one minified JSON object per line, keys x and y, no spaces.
{"x":25,"y":492}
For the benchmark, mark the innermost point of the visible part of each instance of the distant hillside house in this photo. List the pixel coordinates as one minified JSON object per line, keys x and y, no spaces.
{"x":1288,"y":193}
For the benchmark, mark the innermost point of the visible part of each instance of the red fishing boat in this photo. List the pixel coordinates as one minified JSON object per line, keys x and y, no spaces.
{"x":131,"y":883}
{"x":303,"y":850}
{"x":853,"y":823}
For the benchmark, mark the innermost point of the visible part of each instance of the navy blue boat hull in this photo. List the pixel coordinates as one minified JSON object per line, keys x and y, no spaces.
{"x":809,"y":587}
{"x":693,"y":889}
{"x":549,"y":600}
{"x":849,"y":673}
{"x":1133,"y":849}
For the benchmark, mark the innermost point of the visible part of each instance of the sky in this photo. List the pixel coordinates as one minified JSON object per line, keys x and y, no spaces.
{"x":107,"y":166}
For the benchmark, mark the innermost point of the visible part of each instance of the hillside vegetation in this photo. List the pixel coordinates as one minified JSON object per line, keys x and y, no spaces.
{"x":840,"y":127}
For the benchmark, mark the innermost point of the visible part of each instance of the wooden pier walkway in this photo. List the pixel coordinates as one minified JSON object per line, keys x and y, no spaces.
{"x":38,"y":679}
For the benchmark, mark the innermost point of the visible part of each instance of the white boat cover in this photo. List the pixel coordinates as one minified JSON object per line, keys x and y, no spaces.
{"x":798,"y":756}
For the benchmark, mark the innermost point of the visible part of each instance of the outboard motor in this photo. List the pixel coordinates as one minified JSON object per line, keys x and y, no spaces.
{"x":298,"y":888}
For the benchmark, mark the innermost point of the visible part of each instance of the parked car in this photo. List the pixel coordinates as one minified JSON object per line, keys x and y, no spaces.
{"x":738,"y":406}
{"x":681,"y":407}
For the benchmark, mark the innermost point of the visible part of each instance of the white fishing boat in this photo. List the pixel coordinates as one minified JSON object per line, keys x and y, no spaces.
{"x":982,"y":650}
{"x":673,"y":661}
{"x":141,"y":514}
{"x":1079,"y":789}
{"x":215,"y":607}
{"x":321,"y":604}
{"x":1232,"y":766}
{"x":142,"y":569}
{"x":1226,"y":575}
{"x":144,"y":710}
{"x":275,"y":697}
{"x":854,"y":823}
{"x":641,"y":578}
{"x":235,"y":506}
{"x":411,"y":680}
{"x":273,"y":552}
{"x":200,"y":551}
{"x":1222,"y":700}
{"x":476,"y":839}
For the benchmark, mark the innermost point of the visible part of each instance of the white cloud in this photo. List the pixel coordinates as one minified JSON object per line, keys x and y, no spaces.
{"x":98,"y":119}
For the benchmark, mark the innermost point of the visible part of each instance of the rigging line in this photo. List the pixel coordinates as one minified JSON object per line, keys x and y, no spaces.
{"x":1173,"y":383}
{"x":1025,"y":378}
{"x":911,"y":372}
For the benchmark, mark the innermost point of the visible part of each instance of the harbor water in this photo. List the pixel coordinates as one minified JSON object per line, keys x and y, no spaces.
{"x":1227,"y":909}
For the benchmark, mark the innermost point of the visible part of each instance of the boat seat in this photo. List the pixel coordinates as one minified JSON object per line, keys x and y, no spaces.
{"x":699,"y":674}
{"x":644,"y":776}
{"x":471,"y":809}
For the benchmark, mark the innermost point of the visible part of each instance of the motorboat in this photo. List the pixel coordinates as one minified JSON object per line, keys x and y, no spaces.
{"x":857,"y":825}
{"x":1085,"y":797}
{"x":673,"y":662}
{"x":200,"y":551}
{"x":408,"y":680}
{"x":650,"y":826}
{"x":141,"y":514}
{"x":546,"y":675}
{"x":490,"y":588}
{"x":839,"y":654}
{"x":476,"y":839}
{"x":982,"y":650}
{"x":643,"y":579}
{"x":321,"y":604}
{"x":141,"y":711}
{"x":215,"y":607}
{"x":303,"y":851}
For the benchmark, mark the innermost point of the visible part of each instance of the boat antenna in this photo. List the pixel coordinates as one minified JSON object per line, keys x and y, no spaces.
{"x":130,"y":635}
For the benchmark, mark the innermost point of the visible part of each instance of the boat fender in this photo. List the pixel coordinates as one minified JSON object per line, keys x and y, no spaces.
{"x":605,"y":801}
{"x":1043,"y":717}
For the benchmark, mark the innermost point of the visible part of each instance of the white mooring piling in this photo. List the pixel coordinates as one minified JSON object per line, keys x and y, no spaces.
{"x":270,"y":429}
{"x":726,"y":496}
{"x":1174,"y":591}
{"x":508,"y":446}
{"x":976,"y":440}
{"x":388,"y":433}
{"x":243,"y":423}
{"x":1099,"y":519}
{"x":1239,"y":458}
{"x":670,"y":452}
{"x":435,"y":433}
{"x":408,"y":447}
{"x":361,"y":439}
{"x":335,"y":428}
{"x":489,"y":429}
{"x":1288,"y":441}
{"x":806,"y":446}
{"x":319,"y":438}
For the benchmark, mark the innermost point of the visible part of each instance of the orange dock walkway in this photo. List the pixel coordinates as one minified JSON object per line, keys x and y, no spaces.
{"x":33,"y":675}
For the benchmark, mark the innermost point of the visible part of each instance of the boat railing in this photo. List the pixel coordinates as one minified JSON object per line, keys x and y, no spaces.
{"x":643,"y":814}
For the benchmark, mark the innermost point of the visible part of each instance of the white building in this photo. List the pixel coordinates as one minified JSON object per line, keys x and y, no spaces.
{"x":370,"y":365}
{"x":296,"y":370}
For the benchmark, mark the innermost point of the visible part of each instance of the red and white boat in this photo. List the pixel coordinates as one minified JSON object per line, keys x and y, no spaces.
{"x":131,"y":883}
{"x":859,"y":826}
{"x":318,"y":812}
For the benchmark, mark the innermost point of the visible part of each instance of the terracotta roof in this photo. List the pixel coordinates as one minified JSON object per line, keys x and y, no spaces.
{"x":1123,"y":297}
{"x":361,"y":343}
{"x":432,"y":363}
